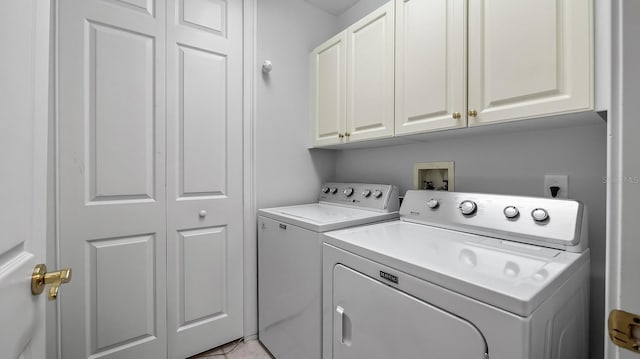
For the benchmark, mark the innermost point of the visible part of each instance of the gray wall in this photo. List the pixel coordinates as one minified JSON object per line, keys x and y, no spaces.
{"x":509,"y":163}
{"x":286,"y":172}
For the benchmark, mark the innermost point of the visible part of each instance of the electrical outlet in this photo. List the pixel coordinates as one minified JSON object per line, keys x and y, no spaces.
{"x":561,"y":181}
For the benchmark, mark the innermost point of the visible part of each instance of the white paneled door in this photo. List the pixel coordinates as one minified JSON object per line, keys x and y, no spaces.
{"x":150,"y":202}
{"x":204,"y":181}
{"x":24,"y":71}
{"x":111,"y":177}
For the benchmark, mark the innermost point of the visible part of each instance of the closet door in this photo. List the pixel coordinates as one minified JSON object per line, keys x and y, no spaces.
{"x":204,"y":182}
{"x":111,"y":177}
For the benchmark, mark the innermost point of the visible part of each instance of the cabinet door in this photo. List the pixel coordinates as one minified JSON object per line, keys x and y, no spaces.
{"x":330,"y":91}
{"x":430,"y":65}
{"x":370,"y":62}
{"x":529,"y":58}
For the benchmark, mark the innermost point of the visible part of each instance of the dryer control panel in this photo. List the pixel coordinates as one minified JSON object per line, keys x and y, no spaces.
{"x":376,"y":197}
{"x":547,"y":222}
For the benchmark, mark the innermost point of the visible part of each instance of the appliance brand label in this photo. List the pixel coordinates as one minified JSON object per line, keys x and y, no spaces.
{"x":282,"y":226}
{"x":389,"y":277}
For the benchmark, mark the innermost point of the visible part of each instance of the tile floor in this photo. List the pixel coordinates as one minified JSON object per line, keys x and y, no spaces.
{"x":251,"y":349}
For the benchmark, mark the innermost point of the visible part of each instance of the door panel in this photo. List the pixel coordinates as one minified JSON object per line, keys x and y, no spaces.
{"x":24,"y":110}
{"x":370,"y":69}
{"x":374,"y":320}
{"x":204,"y":185}
{"x":528,"y":60}
{"x":121,"y":138}
{"x":111,"y":171}
{"x":330,"y":65}
{"x":430,"y":65}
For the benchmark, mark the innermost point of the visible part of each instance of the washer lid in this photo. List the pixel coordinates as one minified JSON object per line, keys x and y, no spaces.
{"x":320,"y":217}
{"x":513,"y":276}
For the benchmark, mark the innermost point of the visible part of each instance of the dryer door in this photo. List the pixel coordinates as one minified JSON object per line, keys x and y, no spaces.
{"x":373,"y":320}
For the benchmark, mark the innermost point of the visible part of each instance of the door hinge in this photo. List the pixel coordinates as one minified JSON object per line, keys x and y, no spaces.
{"x":624,"y":330}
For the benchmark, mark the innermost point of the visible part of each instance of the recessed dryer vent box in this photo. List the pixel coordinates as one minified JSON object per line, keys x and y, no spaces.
{"x":434,"y":175}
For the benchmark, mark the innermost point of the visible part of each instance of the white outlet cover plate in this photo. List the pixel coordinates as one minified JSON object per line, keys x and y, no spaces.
{"x":561,"y":181}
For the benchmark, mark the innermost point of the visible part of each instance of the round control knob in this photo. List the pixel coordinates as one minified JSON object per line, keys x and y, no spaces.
{"x":202,"y":213}
{"x":377,"y":193}
{"x":468,"y":207}
{"x":325,"y":189}
{"x":333,"y":190}
{"x":348,"y":191}
{"x":539,"y":215}
{"x":511,"y":212}
{"x":366,"y":193}
{"x":433,"y":203}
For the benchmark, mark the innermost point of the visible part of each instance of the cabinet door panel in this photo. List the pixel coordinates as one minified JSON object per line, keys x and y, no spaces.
{"x":330,"y":90}
{"x":529,"y":59}
{"x":430,"y":65}
{"x":370,"y":84}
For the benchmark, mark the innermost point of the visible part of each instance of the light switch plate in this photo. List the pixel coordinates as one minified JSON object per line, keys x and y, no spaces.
{"x":561,"y":181}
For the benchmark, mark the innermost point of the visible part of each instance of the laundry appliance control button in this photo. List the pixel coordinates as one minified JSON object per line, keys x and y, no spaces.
{"x":433,"y":203}
{"x":377,"y":193}
{"x":511,"y":212}
{"x":540,"y":215}
{"x":325,"y":189}
{"x":333,"y":190}
{"x":348,"y":191}
{"x":468,"y":207}
{"x":366,"y":193}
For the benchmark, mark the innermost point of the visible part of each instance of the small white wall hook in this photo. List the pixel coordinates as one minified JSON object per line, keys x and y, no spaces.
{"x":267,"y":66}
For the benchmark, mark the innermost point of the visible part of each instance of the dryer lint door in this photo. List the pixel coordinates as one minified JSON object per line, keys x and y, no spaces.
{"x":375,"y":321}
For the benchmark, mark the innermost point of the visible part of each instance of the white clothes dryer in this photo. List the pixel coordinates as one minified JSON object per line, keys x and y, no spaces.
{"x":460,"y":276}
{"x":290,"y":261}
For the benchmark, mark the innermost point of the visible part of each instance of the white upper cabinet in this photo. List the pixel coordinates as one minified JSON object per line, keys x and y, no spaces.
{"x":415,"y":66}
{"x":430,"y":65}
{"x":370,"y":67}
{"x":330,"y":112}
{"x":353,"y":82}
{"x":529,"y":59}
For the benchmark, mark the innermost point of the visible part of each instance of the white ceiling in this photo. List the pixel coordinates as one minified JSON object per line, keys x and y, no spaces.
{"x":335,"y":7}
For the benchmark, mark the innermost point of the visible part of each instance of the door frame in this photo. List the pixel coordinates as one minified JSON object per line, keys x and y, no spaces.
{"x":249,"y":198}
{"x":250,"y":226}
{"x":622,"y":180}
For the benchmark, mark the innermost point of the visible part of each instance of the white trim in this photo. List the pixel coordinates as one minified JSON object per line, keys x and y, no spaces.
{"x":40,"y":186}
{"x":614,"y":188}
{"x":250,"y":227}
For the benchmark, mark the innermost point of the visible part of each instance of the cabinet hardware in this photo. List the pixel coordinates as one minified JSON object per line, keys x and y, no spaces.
{"x":473,"y":113}
{"x":456,"y":115}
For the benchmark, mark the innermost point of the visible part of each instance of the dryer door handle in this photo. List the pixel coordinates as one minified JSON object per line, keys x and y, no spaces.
{"x":344,"y":327}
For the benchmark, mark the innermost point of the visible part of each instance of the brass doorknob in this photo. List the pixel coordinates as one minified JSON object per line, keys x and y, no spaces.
{"x":347,"y":134}
{"x":473,"y":113}
{"x":340,"y":135}
{"x":40,"y":278}
{"x":456,"y":115}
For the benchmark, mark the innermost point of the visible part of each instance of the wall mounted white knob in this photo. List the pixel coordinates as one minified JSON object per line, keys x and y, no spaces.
{"x":267,"y":66}
{"x":203,"y":213}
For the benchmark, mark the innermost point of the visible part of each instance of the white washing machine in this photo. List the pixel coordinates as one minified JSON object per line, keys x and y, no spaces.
{"x":460,"y":276}
{"x":290,"y":261}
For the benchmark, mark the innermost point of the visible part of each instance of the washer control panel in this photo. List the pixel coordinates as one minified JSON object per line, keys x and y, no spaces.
{"x":379,"y":197}
{"x":547,"y":222}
